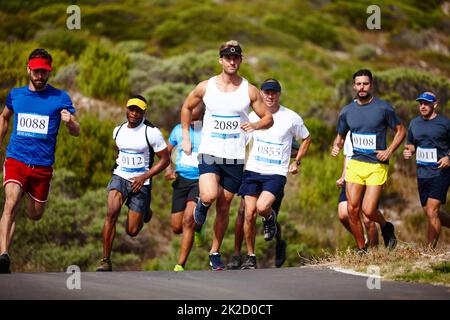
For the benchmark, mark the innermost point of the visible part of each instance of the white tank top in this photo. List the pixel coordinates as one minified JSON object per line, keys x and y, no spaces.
{"x":222,"y":135}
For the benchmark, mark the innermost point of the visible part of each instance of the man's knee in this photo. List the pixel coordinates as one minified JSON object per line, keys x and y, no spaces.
{"x":133,"y":231}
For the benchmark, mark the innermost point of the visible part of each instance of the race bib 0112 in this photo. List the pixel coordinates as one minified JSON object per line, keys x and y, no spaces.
{"x":131,"y":161}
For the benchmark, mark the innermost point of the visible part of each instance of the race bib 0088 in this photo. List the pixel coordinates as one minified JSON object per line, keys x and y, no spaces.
{"x":32,"y":125}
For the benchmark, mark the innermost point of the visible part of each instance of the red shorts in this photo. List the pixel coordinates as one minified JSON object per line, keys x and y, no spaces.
{"x":35,"y":180}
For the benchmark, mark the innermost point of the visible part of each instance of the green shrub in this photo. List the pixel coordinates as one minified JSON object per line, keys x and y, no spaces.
{"x":63,"y":39}
{"x":104,"y":73}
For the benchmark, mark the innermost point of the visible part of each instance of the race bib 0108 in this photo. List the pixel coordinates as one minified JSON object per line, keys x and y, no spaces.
{"x":226,"y":127}
{"x":131,"y":161}
{"x":426,"y":156}
{"x":268,"y":152}
{"x":32,"y":125}
{"x":364,"y":142}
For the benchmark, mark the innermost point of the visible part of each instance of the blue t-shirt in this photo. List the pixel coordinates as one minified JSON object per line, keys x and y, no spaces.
{"x":37,"y":116}
{"x":368,"y":126}
{"x":186,"y":166}
{"x":431,"y":138}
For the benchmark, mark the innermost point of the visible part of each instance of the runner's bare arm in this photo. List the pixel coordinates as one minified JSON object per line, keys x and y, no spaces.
{"x":293,"y":167}
{"x":71,"y":123}
{"x":338,"y":143}
{"x":192,"y":100}
{"x":169,"y":173}
{"x":258,"y":105}
{"x":4,"y":122}
{"x":400,"y":133}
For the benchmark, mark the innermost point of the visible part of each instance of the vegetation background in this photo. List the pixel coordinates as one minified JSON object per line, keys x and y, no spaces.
{"x":162,"y":48}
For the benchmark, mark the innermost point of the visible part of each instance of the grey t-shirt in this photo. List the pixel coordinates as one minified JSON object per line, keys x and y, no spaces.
{"x":368,"y":126}
{"x":431,"y":138}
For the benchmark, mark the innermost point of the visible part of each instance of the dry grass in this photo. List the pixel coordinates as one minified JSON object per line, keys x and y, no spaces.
{"x":407,"y":262}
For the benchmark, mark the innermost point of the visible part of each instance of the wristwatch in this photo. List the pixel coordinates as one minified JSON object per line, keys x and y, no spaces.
{"x":298,"y":162}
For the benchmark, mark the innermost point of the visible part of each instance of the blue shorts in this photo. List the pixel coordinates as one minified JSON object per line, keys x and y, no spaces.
{"x":254,"y":183}
{"x":435,"y":188}
{"x":342,"y":195}
{"x":230,"y":171}
{"x":136,"y":201}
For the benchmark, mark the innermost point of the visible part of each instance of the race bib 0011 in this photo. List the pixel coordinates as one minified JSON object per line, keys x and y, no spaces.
{"x":226,"y":127}
{"x":131,"y":161}
{"x":32,"y":125}
{"x":189,"y":160}
{"x":426,"y":156}
{"x":364,"y":142}
{"x":268,"y":152}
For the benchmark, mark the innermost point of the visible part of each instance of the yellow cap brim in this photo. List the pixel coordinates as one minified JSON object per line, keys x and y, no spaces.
{"x":137,"y":102}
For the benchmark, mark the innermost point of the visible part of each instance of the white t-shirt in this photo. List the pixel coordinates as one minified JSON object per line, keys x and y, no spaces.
{"x":271,"y":148}
{"x":222,"y":135}
{"x":134,"y":157}
{"x":348,"y":146}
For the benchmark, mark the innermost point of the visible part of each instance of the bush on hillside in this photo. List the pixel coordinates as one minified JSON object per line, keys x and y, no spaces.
{"x":103,"y":73}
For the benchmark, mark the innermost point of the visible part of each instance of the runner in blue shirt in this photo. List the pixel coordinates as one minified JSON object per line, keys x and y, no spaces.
{"x":185,"y":186}
{"x":429,"y":139}
{"x":367,"y":118}
{"x":38,"y":110}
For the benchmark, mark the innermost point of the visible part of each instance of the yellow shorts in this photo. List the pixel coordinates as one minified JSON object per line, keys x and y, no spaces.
{"x":366,"y":173}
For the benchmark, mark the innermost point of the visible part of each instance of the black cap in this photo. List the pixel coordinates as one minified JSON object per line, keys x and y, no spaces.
{"x":231,"y":50}
{"x":271,"y":84}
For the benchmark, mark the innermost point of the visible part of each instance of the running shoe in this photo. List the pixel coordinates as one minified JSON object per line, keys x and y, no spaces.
{"x":235,"y":263}
{"x":178,"y":267}
{"x":388,"y":232}
{"x":105,"y":265}
{"x":215,"y":262}
{"x":280,"y":253}
{"x":5,"y":262}
{"x":270,"y":226}
{"x":249,"y":263}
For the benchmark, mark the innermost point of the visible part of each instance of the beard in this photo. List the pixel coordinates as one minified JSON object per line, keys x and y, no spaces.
{"x":39,"y":84}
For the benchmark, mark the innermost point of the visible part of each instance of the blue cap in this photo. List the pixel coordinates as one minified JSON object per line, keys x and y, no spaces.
{"x":427,"y":97}
{"x":271,"y":84}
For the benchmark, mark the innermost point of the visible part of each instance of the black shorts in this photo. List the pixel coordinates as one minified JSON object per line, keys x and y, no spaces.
{"x":435,"y":188}
{"x":184,"y":190}
{"x":230,"y":171}
{"x":136,"y":201}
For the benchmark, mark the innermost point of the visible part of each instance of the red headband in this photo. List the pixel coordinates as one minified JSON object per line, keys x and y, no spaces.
{"x":40,"y":63}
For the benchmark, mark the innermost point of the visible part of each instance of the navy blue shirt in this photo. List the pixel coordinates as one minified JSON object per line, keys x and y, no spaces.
{"x":368,"y":126}
{"x":37,"y":116}
{"x":431,"y":138}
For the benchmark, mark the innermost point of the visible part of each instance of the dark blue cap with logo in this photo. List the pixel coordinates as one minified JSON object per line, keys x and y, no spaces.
{"x":231,"y":50}
{"x":427,"y":97}
{"x":271,"y":84}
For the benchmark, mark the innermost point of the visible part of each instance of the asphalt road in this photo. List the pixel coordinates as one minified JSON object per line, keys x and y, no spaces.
{"x":261,"y":284}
